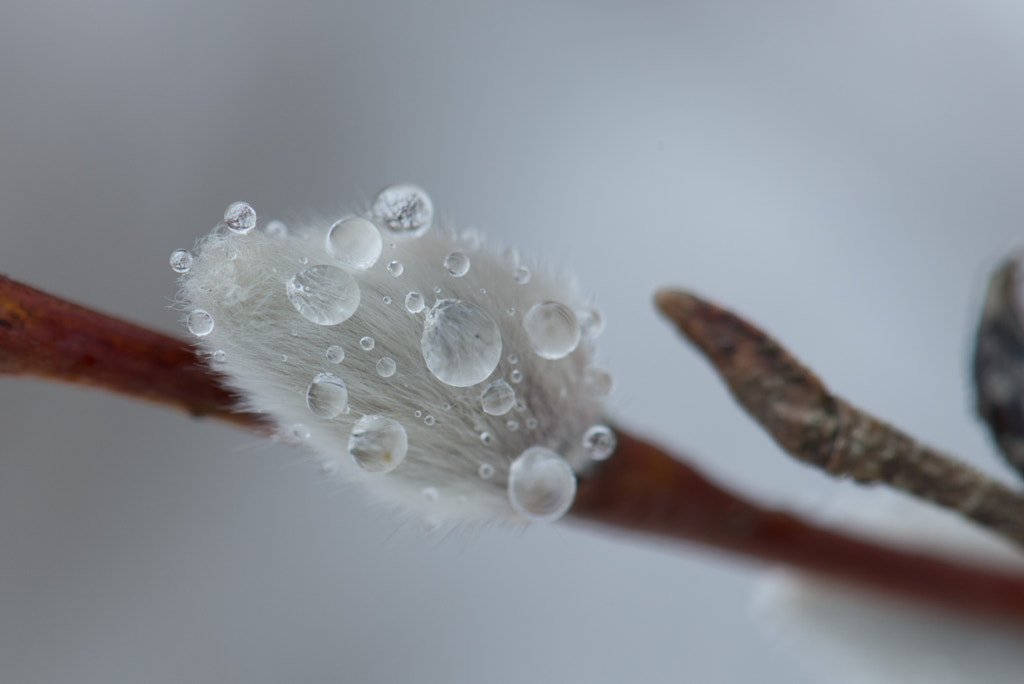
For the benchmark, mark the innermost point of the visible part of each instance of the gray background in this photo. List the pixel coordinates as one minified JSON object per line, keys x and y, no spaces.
{"x":844,"y":173}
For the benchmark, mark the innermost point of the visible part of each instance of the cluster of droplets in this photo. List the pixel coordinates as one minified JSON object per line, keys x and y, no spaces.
{"x":461,"y":346}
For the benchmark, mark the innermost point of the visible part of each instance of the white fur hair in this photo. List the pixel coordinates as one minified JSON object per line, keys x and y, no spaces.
{"x":270,"y":354}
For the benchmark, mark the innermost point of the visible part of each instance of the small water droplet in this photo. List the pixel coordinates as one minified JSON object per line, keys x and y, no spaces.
{"x":531,"y":423}
{"x":429,"y":420}
{"x":599,"y":442}
{"x":396,"y":268}
{"x":300,"y":431}
{"x":284,"y":357}
{"x":512,"y":425}
{"x":335,"y":354}
{"x":486,"y":471}
{"x":414,"y":302}
{"x":326,"y":396}
{"x":386,"y":367}
{"x":486,"y":437}
{"x":355,"y":242}
{"x":446,"y":406}
{"x":417,"y":413}
{"x":598,"y":382}
{"x":520,"y":405}
{"x":552,"y":329}
{"x":219,"y":356}
{"x":457,"y":264}
{"x":240,"y":217}
{"x":511,"y":311}
{"x":513,"y":359}
{"x":430,"y":494}
{"x":591,"y":323}
{"x":366,"y":343}
{"x":303,"y":260}
{"x":329,"y":467}
{"x":461,"y":343}
{"x":181,"y":260}
{"x":276,"y":230}
{"x":498,"y":398}
{"x":405,"y":210}
{"x":200,"y":323}
{"x":473,"y":238}
{"x":516,"y":376}
{"x":378,"y":443}
{"x":324,"y":295}
{"x":386,"y":299}
{"x":437,"y":290}
{"x":522,"y":275}
{"x":541,"y":485}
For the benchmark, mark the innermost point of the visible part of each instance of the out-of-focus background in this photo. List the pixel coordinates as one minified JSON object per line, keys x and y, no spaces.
{"x":843,"y":173}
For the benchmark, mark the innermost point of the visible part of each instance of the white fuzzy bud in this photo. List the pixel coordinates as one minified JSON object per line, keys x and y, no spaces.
{"x":441,"y":375}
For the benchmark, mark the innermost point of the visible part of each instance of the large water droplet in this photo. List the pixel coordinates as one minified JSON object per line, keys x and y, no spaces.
{"x":414,"y":302}
{"x":457,"y":264}
{"x":378,"y":443}
{"x":181,"y":260}
{"x":200,"y":323}
{"x":541,"y":485}
{"x":599,"y":442}
{"x":405,"y":210}
{"x":355,"y":242}
{"x":461,"y":343}
{"x":324,"y":295}
{"x":552,"y":329}
{"x":386,"y":367}
{"x":327,"y":396}
{"x":240,"y":217}
{"x":498,"y":398}
{"x":335,"y":354}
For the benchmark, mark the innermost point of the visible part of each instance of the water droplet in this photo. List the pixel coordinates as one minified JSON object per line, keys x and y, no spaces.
{"x":531,"y":423}
{"x":355,"y":242}
{"x":327,"y":396}
{"x":329,"y":467}
{"x":303,"y":260}
{"x":386,"y":299}
{"x":457,"y":264}
{"x":461,"y":343}
{"x":473,"y":238}
{"x":522,"y":275}
{"x":512,"y":425}
{"x":598,"y":382}
{"x":386,"y":367}
{"x":552,"y":329}
{"x":520,"y":405}
{"x":446,"y":406}
{"x":414,"y":302}
{"x":181,"y":260}
{"x":405,"y":210}
{"x":429,"y":420}
{"x":378,"y":443}
{"x":511,"y":311}
{"x":417,"y":413}
{"x":486,"y":471}
{"x":366,"y":343}
{"x":599,"y":442}
{"x":541,"y":485}
{"x":240,"y":217}
{"x":276,"y":230}
{"x":284,"y":357}
{"x":200,"y":323}
{"x":300,"y":431}
{"x":591,"y":323}
{"x":396,"y":268}
{"x":324,"y":295}
{"x":498,"y":398}
{"x":513,"y":359}
{"x":516,"y":376}
{"x":437,"y":290}
{"x":430,"y":494}
{"x":486,"y":437}
{"x":219,"y":356}
{"x":335,"y":354}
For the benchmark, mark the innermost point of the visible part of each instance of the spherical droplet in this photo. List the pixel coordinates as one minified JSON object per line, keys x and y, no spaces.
{"x":541,"y":485}
{"x":300,"y":431}
{"x":417,"y":413}
{"x":327,"y":396}
{"x":591,"y":323}
{"x":386,"y":299}
{"x":552,"y":329}
{"x":457,"y":264}
{"x":355,"y":242}
{"x":240,"y":218}
{"x":367,"y":343}
{"x":335,"y":354}
{"x":405,"y":210}
{"x":429,"y":420}
{"x":396,"y":268}
{"x":219,"y":356}
{"x":498,"y":398}
{"x":461,"y":343}
{"x":414,"y":302}
{"x":516,"y":376}
{"x":276,"y":230}
{"x":199,"y":322}
{"x":386,"y":367}
{"x":181,"y":260}
{"x":486,"y":437}
{"x":378,"y":443}
{"x":324,"y":295}
{"x":486,"y":471}
{"x":522,"y":275}
{"x":512,"y":425}
{"x":599,"y":442}
{"x":598,"y":382}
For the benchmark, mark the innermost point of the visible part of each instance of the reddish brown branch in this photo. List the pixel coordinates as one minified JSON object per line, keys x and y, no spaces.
{"x":641,"y":489}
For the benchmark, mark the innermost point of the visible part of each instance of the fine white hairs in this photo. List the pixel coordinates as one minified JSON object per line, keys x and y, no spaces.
{"x":442,"y":375}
